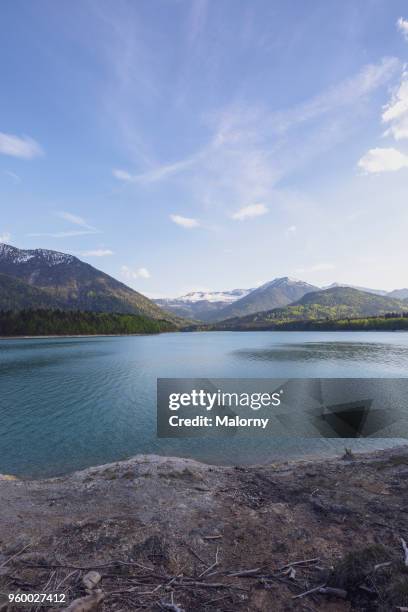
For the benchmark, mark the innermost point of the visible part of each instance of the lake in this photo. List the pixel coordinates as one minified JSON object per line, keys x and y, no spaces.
{"x":70,"y":403}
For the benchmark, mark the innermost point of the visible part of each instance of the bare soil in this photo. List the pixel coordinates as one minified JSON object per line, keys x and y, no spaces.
{"x":174,"y":534}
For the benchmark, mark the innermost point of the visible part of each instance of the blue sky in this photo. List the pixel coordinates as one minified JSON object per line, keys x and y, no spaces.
{"x":200,"y":144}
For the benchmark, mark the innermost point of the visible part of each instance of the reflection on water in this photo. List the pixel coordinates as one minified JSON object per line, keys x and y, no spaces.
{"x":321,"y":351}
{"x":69,"y":403}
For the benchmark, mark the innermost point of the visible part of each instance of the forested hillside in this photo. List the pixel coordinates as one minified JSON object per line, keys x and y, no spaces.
{"x":57,"y":322}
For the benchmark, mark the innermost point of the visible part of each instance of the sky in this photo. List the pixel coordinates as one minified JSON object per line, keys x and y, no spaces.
{"x":184,"y":145}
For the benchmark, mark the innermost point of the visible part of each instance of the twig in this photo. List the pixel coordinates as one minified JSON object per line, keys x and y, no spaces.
{"x":208,"y":585}
{"x":323,"y":590}
{"x":309,"y":592}
{"x":302,"y":562}
{"x":248,"y":572}
{"x":86,"y":567}
{"x":193,"y":552}
{"x":379,"y":565}
{"x":211,"y":567}
{"x":405,"y":549}
{"x":64,"y":580}
{"x":14,"y":556}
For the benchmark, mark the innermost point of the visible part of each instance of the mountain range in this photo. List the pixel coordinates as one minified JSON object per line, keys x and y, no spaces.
{"x":326,"y":304}
{"x":280,"y":292}
{"x":48,"y":279}
{"x":219,"y":305}
{"x":44,"y":279}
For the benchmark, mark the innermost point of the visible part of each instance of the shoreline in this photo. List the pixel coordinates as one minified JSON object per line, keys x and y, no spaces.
{"x":52,"y":336}
{"x":155,"y":458}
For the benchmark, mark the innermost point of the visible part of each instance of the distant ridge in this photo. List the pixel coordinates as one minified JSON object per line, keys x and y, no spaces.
{"x":202,"y":305}
{"x":219,"y":305}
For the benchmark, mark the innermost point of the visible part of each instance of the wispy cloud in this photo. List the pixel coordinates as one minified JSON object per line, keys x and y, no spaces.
{"x":5,"y":237}
{"x":67,"y":234}
{"x":133,"y":274}
{"x":197,"y":19}
{"x":19,"y":146}
{"x":396,"y":111}
{"x":156,"y":174}
{"x":14,"y":177}
{"x":97,"y":253}
{"x":248,"y":212}
{"x":250,"y":149}
{"x":85,"y":228}
{"x":343,"y":94}
{"x":383,"y":160}
{"x":186,"y":222}
{"x":76,"y":220}
{"x":123,"y":175}
{"x":402,"y":25}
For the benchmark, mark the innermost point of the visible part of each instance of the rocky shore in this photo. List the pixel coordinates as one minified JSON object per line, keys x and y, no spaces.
{"x":155,"y":533}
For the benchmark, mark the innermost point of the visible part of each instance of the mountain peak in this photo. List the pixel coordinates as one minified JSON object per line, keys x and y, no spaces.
{"x":283,"y":281}
{"x":47,"y":257}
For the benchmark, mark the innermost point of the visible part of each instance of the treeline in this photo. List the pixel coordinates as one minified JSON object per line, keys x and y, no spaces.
{"x":42,"y":322}
{"x":388,"y":322}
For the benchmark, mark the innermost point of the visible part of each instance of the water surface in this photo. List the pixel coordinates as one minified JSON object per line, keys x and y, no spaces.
{"x":69,"y":403}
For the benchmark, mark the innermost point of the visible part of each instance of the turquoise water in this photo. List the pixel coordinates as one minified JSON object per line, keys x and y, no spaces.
{"x":70,"y":403}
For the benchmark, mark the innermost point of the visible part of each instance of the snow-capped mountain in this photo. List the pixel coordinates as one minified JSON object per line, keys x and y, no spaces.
{"x":273,"y":294}
{"x":202,"y":305}
{"x":21,"y":256}
{"x":217,"y":305}
{"x":214,"y":296}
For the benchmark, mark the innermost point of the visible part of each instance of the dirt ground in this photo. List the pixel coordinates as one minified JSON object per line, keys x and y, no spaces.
{"x":174,"y":534}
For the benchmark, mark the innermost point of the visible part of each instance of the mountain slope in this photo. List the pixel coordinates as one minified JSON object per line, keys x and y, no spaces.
{"x":200,"y":305}
{"x":18,"y":295}
{"x":73,"y":284}
{"x":335,"y":303}
{"x":279,"y":292}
